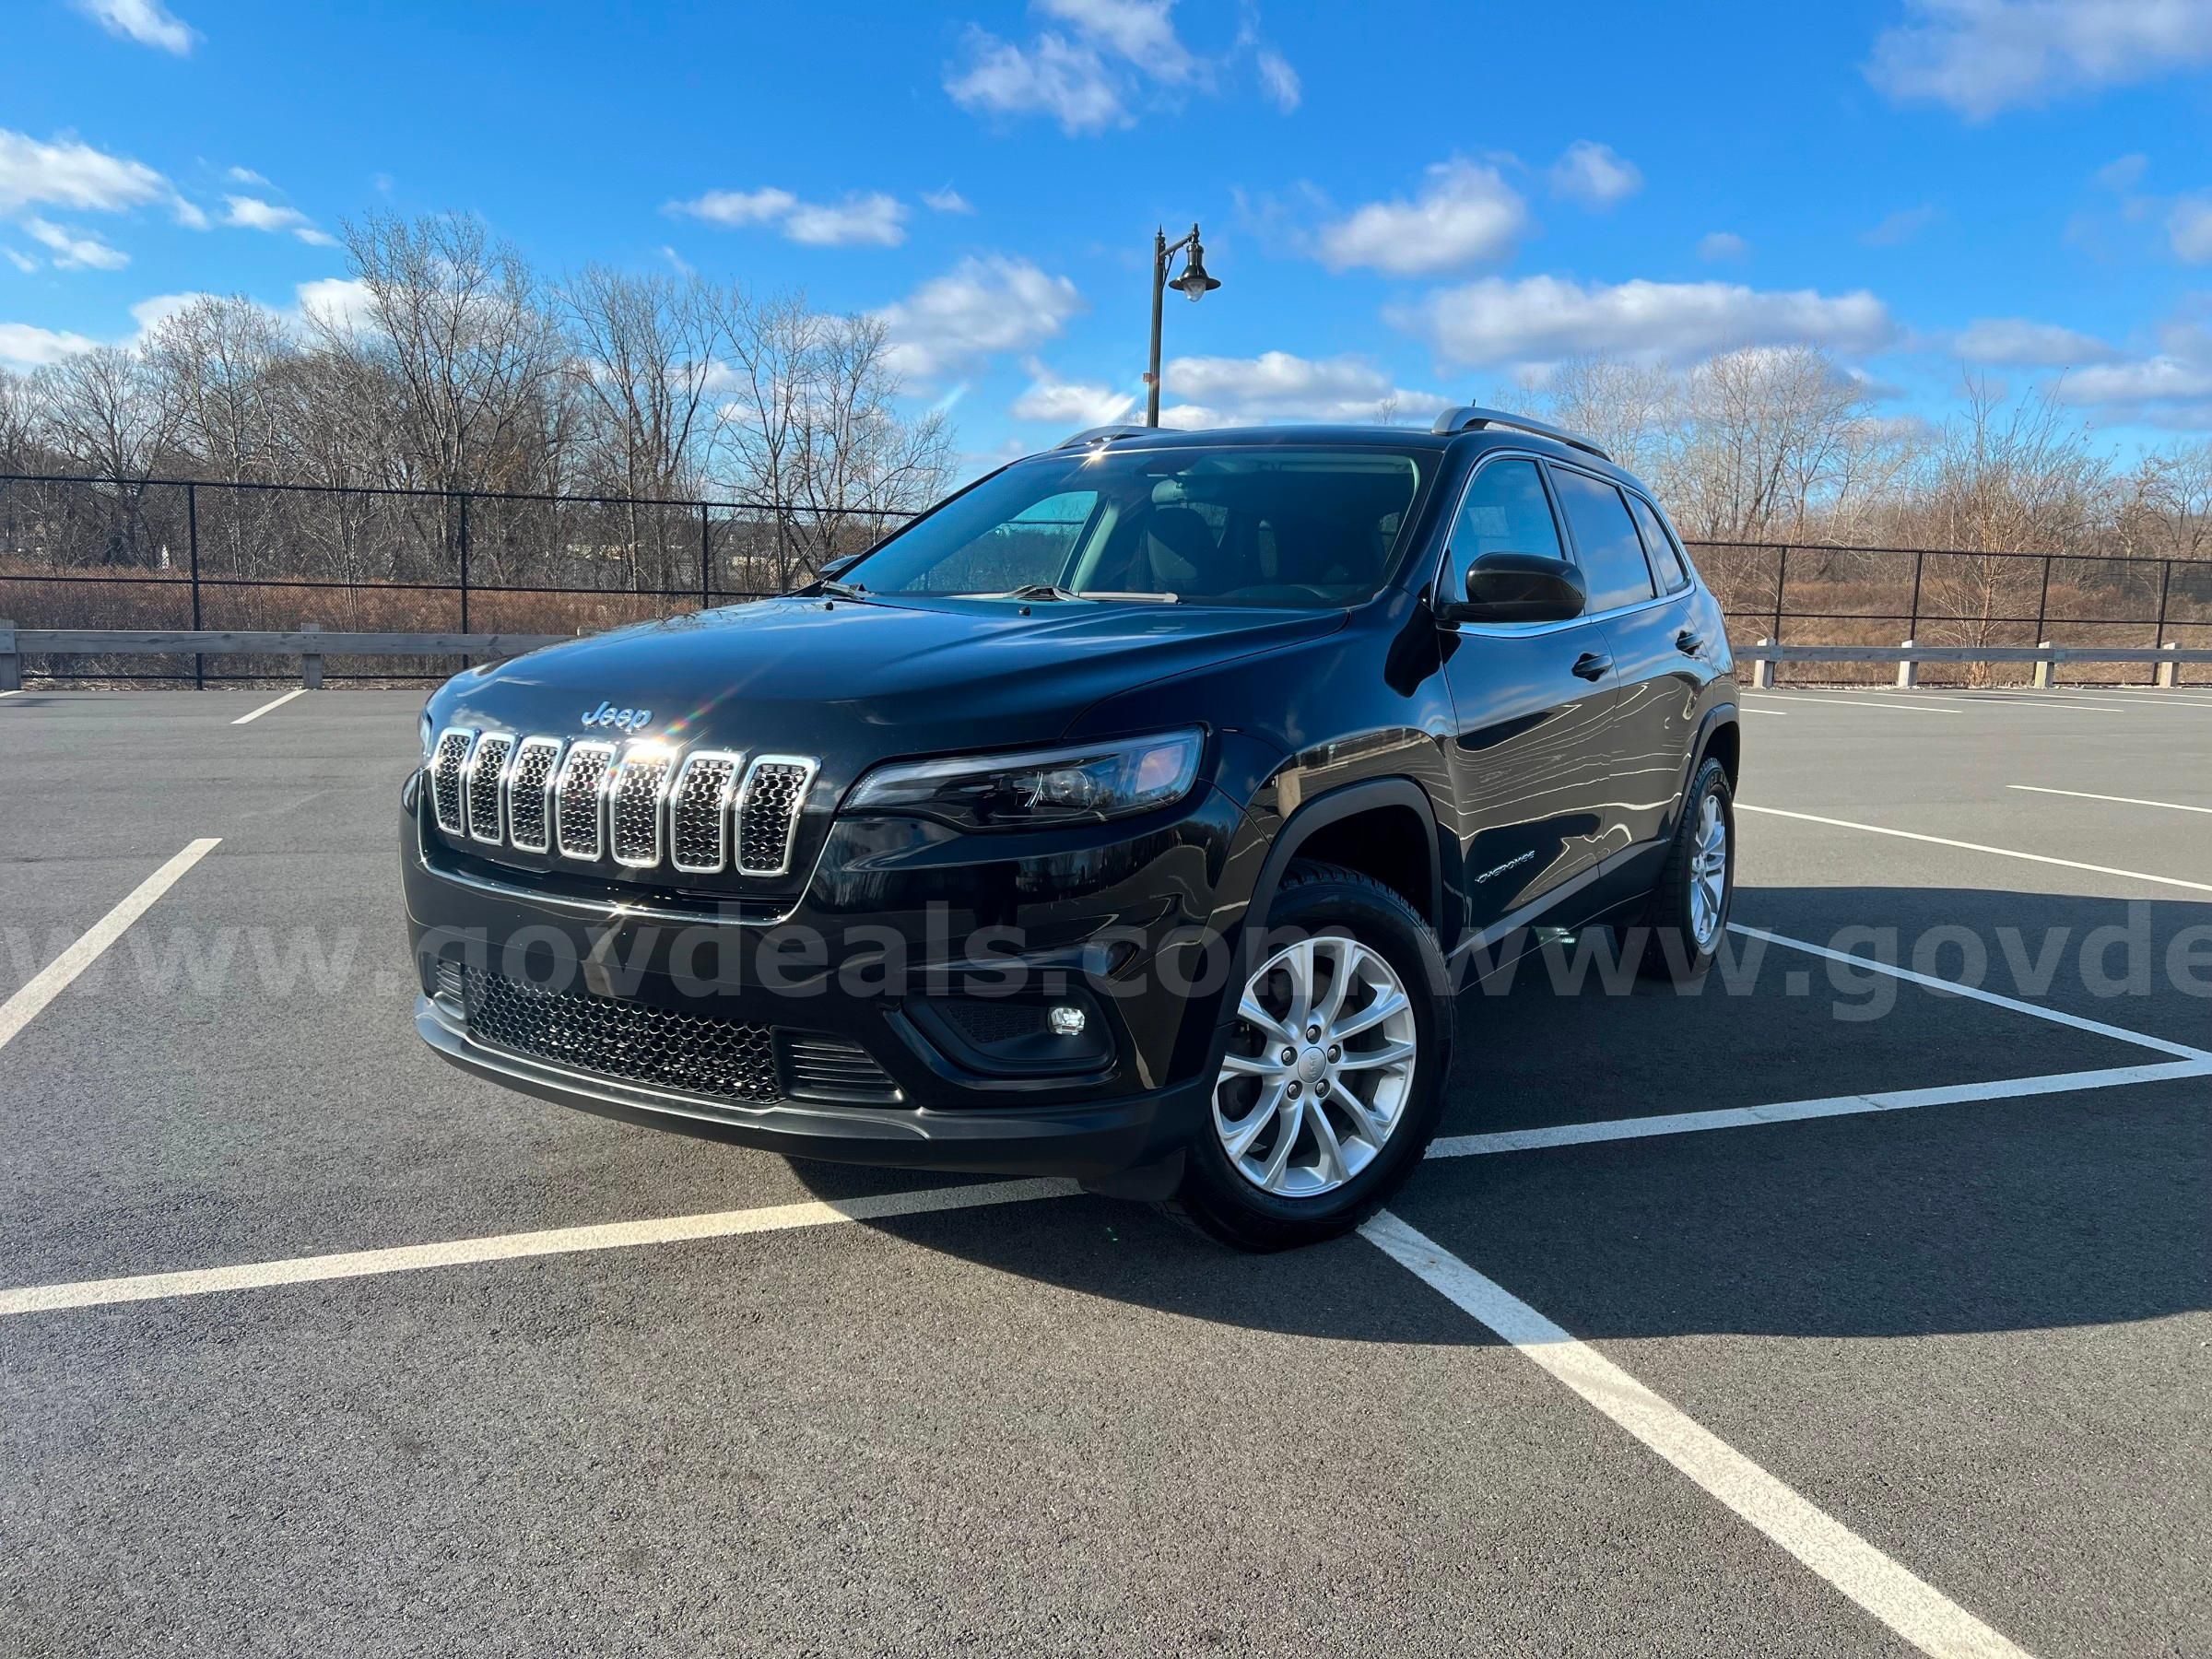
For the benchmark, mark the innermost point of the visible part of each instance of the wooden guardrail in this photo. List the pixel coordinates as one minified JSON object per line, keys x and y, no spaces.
{"x":1909,"y":655}
{"x":310,"y":645}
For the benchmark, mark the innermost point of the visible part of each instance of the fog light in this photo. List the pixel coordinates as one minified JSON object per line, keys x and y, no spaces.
{"x":1065,"y":1022}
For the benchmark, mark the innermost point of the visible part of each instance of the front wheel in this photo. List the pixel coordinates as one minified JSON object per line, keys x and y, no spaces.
{"x":1331,"y":1081}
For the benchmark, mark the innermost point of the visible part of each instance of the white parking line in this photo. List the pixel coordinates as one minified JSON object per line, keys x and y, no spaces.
{"x":50,"y":980}
{"x":1797,"y":1111}
{"x":2083,"y":795}
{"x":16,"y":692}
{"x":1778,"y":714}
{"x":248,"y":719}
{"x":2046,"y":700}
{"x":1917,"y":1611}
{"x":1974,"y":993}
{"x":1892,"y":705}
{"x":1942,"y":841}
{"x":507,"y":1247}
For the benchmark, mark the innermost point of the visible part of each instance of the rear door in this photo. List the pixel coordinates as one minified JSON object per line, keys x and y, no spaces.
{"x":1528,"y":759}
{"x":1645,"y":612}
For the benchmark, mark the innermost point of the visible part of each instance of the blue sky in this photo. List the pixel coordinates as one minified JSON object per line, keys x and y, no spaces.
{"x":1407,"y":202}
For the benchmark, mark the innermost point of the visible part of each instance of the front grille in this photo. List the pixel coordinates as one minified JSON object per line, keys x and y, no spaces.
{"x":768,"y":813}
{"x":610,"y":1037}
{"x":642,"y":804}
{"x":633,"y":806}
{"x":576,"y":798}
{"x":487,"y":770}
{"x":447,"y":760}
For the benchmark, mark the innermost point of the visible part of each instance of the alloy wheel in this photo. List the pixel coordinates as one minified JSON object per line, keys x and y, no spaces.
{"x":1707,"y":873}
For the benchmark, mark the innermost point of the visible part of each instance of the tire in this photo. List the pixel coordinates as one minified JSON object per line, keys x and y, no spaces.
{"x":1683,"y":927}
{"x":1334,"y":927}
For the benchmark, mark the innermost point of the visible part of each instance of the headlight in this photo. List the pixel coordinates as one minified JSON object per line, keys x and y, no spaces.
{"x":1079,"y":784}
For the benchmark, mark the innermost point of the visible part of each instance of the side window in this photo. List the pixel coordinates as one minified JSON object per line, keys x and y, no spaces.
{"x":1604,"y":540}
{"x":1505,"y":510}
{"x":1667,"y":557}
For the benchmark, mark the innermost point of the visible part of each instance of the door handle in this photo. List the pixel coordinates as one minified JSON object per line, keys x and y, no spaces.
{"x":1689,"y":642}
{"x":1593,"y":665}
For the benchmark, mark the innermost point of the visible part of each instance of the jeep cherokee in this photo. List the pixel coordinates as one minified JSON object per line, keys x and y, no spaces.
{"x":1130,"y":814}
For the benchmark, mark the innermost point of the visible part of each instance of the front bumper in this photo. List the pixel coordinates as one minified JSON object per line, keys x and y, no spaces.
{"x":1086,"y":1142}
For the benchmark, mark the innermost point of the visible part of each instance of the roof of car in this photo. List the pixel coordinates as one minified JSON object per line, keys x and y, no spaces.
{"x":1349,"y":434}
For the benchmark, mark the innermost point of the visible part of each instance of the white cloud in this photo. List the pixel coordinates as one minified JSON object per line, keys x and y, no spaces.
{"x":871,"y":220}
{"x":1594,"y":175}
{"x":1086,"y":73}
{"x":2160,"y":379}
{"x":1902,"y":227}
{"x":27,"y":345}
{"x":20,"y":260}
{"x":245,"y":175}
{"x":1539,"y":319}
{"x":341,"y":302}
{"x":1278,"y":386}
{"x":2122,"y":172}
{"x":1076,"y":404}
{"x":149,"y":22}
{"x":251,"y":213}
{"x":157,"y":309}
{"x":70,"y":173}
{"x":2189,"y":228}
{"x":2016,"y":341}
{"x":73,"y":252}
{"x":1983,"y":56}
{"x":1141,"y":31}
{"x":1716,"y":245}
{"x":979,"y":307}
{"x":1278,"y":79}
{"x":1465,"y":214}
{"x":946,"y":200}
{"x":1052,"y":75}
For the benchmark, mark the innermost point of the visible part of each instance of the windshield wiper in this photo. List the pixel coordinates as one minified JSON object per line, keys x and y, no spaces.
{"x":844,"y":590}
{"x":1053,"y":590}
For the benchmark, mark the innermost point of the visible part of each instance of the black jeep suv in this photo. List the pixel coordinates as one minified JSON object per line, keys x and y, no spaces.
{"x":1132,"y":815}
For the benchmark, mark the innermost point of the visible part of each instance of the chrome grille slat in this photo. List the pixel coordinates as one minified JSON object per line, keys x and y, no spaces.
{"x":484,"y":778}
{"x":699,"y":813}
{"x":449,"y":757}
{"x":768,"y":812}
{"x":529,"y":782}
{"x":633,"y":805}
{"x":578,"y":800}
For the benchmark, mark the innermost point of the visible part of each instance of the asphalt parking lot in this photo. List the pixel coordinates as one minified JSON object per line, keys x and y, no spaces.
{"x":1827,"y":1310}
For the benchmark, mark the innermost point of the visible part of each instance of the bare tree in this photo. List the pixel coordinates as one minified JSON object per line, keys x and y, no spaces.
{"x":109,"y":410}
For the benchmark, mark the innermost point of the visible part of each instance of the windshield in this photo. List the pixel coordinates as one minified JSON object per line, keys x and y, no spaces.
{"x":1263,"y":526}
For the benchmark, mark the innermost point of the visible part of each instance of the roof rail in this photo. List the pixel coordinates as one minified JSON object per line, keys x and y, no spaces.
{"x":1468,"y":417}
{"x":1103,"y":434}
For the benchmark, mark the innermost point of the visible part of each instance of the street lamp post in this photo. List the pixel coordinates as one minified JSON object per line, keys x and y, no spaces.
{"x":1194,"y":283}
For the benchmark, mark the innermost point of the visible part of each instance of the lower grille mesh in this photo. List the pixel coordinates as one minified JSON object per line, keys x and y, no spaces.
{"x":611,"y":1037}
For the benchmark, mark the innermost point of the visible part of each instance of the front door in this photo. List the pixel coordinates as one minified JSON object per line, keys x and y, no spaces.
{"x":1530,"y":753}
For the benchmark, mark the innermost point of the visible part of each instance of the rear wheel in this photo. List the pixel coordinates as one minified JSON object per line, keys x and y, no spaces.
{"x":1331,"y":1081}
{"x":1688,"y":910}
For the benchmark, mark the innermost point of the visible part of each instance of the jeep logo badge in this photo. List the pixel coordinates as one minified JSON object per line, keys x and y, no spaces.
{"x":624,"y":720}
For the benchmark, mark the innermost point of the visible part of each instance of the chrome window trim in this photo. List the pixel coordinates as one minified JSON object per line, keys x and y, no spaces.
{"x":725,"y":799}
{"x":468,"y":734}
{"x":646,"y":750}
{"x":468,"y":786}
{"x":1530,"y":629}
{"x":558,"y":829}
{"x":808,"y":767}
{"x":545,"y":790}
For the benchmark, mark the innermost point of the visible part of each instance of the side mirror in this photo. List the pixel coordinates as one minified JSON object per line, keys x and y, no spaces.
{"x":1518,"y":587}
{"x":837,"y":566}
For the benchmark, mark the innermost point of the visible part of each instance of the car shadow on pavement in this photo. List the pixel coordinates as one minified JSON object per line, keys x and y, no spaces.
{"x":2067,"y":1210}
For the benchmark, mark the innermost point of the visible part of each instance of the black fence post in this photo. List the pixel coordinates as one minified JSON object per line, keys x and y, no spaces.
{"x":706,"y":559}
{"x":464,"y":563}
{"x":2042,"y":600}
{"x":1920,"y":561}
{"x":192,"y":549}
{"x":1782,"y":582}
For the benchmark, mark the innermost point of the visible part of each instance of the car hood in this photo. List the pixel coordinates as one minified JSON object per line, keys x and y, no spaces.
{"x":854,"y":681}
